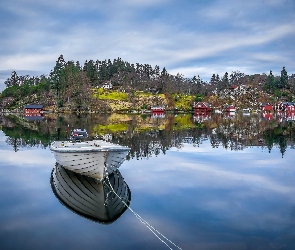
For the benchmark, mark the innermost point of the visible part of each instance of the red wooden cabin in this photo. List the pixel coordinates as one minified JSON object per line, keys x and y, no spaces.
{"x":202,"y":107}
{"x":33,"y":110}
{"x":290,"y":107}
{"x":158,"y":109}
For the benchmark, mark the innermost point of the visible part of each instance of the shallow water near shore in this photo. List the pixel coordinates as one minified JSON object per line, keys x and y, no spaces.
{"x":196,"y":195}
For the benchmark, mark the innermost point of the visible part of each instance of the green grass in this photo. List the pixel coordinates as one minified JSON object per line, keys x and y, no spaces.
{"x":111,"y":128}
{"x":110,"y":95}
{"x":182,"y":101}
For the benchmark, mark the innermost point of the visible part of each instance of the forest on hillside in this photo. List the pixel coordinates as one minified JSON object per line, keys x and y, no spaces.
{"x":72,"y":81}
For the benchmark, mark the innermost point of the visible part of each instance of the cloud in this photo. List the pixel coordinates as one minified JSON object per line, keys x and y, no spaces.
{"x":218,"y":190}
{"x":27,"y":158}
{"x":192,"y":38}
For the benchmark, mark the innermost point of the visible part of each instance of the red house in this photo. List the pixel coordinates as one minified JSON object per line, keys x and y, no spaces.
{"x":158,"y":109}
{"x":290,"y":107}
{"x":266,"y":107}
{"x":33,"y":110}
{"x":202,"y":107}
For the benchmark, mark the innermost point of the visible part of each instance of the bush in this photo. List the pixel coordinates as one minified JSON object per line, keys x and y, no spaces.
{"x":60,"y":103}
{"x":198,"y":98}
{"x":278,"y":93}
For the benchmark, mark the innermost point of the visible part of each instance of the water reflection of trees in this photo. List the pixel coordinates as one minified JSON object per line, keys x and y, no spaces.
{"x":145,"y":145}
{"x":39,"y":133}
{"x":20,"y":137}
{"x":277,"y":137}
{"x":18,"y":143}
{"x":231,"y":133}
{"x":235,"y":133}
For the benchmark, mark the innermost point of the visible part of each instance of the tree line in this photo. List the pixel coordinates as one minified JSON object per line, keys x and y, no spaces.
{"x":72,"y":81}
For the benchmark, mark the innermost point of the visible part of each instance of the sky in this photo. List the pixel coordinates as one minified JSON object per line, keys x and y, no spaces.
{"x":190,"y":37}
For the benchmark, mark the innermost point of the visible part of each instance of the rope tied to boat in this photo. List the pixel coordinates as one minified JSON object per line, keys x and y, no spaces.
{"x":159,"y":235}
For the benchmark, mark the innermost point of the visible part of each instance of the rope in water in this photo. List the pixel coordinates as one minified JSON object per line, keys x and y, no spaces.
{"x":150,"y":227}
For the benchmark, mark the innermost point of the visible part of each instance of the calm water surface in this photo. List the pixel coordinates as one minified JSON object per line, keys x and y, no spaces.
{"x":199,"y":197}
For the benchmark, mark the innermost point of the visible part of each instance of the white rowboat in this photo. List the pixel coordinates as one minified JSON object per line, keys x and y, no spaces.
{"x":90,"y":158}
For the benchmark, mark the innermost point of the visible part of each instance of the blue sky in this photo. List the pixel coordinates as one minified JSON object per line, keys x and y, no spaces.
{"x":191,"y":37}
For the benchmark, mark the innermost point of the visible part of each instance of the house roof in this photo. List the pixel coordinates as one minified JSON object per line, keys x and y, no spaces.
{"x":34,"y":106}
{"x":203,"y":103}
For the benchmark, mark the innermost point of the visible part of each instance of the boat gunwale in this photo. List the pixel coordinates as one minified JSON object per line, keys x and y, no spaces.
{"x":67,"y":150}
{"x":84,"y":147}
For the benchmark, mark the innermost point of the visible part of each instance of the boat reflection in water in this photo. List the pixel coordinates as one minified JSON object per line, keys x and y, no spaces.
{"x":102,"y":201}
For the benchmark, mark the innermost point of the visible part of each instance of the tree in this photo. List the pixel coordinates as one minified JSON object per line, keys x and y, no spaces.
{"x":225,"y":80}
{"x":163,"y":80}
{"x":55,"y":75}
{"x":224,"y":83}
{"x":198,"y":84}
{"x":78,"y":66}
{"x":235,"y":78}
{"x":284,"y":78}
{"x":292,"y":83}
{"x":13,"y":80}
{"x":157,"y":71}
{"x":91,"y":72}
{"x":103,"y":71}
{"x":78,"y":90}
{"x":270,"y":82}
{"x":213,"y":80}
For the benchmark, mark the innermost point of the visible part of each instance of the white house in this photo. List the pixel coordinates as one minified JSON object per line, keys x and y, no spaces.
{"x":107,"y":85}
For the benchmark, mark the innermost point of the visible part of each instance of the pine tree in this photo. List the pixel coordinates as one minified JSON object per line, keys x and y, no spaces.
{"x":224,"y":83}
{"x":270,"y":82}
{"x":213,"y":79}
{"x":284,"y":78}
{"x":55,"y":75}
{"x":91,"y":72}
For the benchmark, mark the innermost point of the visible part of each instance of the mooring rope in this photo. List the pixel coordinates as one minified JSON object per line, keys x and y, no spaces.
{"x":150,"y":227}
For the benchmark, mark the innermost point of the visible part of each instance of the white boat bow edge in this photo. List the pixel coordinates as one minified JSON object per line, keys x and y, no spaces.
{"x":87,"y":146}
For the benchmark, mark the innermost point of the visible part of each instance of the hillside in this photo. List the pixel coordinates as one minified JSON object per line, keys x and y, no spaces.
{"x":118,"y":86}
{"x":114,"y":101}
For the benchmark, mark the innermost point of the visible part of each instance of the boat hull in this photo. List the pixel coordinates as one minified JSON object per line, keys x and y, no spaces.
{"x":94,"y":158}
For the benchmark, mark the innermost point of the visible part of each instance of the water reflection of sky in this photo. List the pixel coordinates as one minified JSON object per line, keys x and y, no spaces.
{"x":249,"y":192}
{"x":199,"y":197}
